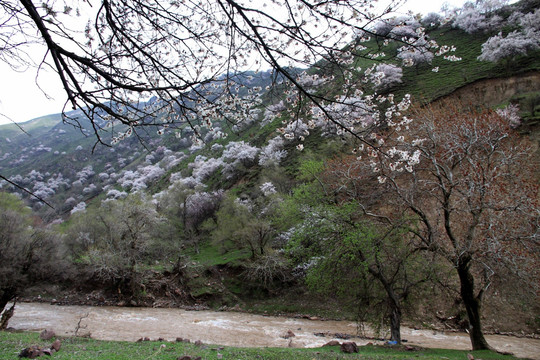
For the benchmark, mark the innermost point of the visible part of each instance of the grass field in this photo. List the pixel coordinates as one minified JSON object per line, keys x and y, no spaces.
{"x":11,"y":343}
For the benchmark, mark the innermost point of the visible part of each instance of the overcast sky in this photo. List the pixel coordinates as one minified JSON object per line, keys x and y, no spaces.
{"x":21,"y":99}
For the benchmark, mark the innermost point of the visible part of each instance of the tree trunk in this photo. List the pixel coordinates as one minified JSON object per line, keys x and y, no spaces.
{"x":472,"y":305}
{"x":395,"y":324}
{"x":7,"y":296}
{"x":4,"y":320}
{"x":393,"y":302}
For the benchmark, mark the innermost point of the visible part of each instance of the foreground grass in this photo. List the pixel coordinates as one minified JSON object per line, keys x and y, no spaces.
{"x":82,"y":348}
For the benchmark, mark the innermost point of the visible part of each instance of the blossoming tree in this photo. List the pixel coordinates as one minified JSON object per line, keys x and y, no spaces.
{"x":466,"y":179}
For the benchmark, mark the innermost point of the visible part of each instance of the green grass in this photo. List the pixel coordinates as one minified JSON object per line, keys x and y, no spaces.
{"x":425,"y":84}
{"x":82,"y":348}
{"x":211,"y":255}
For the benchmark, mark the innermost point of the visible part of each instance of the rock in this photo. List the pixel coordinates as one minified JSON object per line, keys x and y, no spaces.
{"x":332,"y":343}
{"x":24,"y":353}
{"x":342,"y":336}
{"x":289,"y":334}
{"x":30,"y":353}
{"x":470,"y":356}
{"x":349,"y":347}
{"x":160,"y":339}
{"x":185,"y":357}
{"x":56,"y":345}
{"x":47,"y":352}
{"x":47,"y":334}
{"x":198,"y":343}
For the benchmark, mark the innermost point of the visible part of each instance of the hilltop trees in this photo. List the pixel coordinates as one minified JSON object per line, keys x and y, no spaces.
{"x":518,"y":42}
{"x":462,"y":176}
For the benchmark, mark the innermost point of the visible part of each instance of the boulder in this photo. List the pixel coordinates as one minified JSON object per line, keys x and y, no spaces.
{"x":56,"y":345}
{"x":349,"y":347}
{"x":47,"y":334}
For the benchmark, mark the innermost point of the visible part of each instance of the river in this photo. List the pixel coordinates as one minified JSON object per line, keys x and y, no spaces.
{"x":227,"y":328}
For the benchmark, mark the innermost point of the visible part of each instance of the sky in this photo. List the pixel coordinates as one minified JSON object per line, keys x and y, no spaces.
{"x":24,"y":95}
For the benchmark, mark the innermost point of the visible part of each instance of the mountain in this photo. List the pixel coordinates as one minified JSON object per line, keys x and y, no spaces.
{"x":49,"y":156}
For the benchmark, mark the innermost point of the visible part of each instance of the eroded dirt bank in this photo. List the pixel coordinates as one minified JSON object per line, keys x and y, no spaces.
{"x":226,"y":328}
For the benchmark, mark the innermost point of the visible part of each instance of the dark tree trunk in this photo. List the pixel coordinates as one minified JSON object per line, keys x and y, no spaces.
{"x":395,"y":324}
{"x":472,"y":305}
{"x":393,"y":303}
{"x":7,"y":296}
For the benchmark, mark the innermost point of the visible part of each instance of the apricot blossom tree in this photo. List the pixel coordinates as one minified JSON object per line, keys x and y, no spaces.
{"x":125,"y":65}
{"x":466,"y":180}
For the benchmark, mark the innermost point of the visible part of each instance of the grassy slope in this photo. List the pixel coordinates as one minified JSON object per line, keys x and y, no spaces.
{"x":81,"y":348}
{"x":34,"y":126}
{"x":428,"y":85}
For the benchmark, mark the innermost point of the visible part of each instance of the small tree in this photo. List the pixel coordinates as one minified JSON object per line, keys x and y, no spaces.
{"x":240,"y":222}
{"x":116,"y":239}
{"x":386,"y":76}
{"x":346,"y":255}
{"x":498,"y":47}
{"x":27,"y":255}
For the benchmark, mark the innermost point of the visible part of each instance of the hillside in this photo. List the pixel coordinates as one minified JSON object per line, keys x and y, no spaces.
{"x":239,"y":216}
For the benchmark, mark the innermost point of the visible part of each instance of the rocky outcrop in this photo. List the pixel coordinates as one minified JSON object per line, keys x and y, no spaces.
{"x":494,"y":91}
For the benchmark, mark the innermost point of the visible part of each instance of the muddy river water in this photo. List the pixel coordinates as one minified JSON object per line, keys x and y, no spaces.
{"x":227,"y":328}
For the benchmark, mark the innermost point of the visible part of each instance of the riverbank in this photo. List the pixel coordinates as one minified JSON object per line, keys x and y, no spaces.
{"x":230,"y":328}
{"x":11,"y":343}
